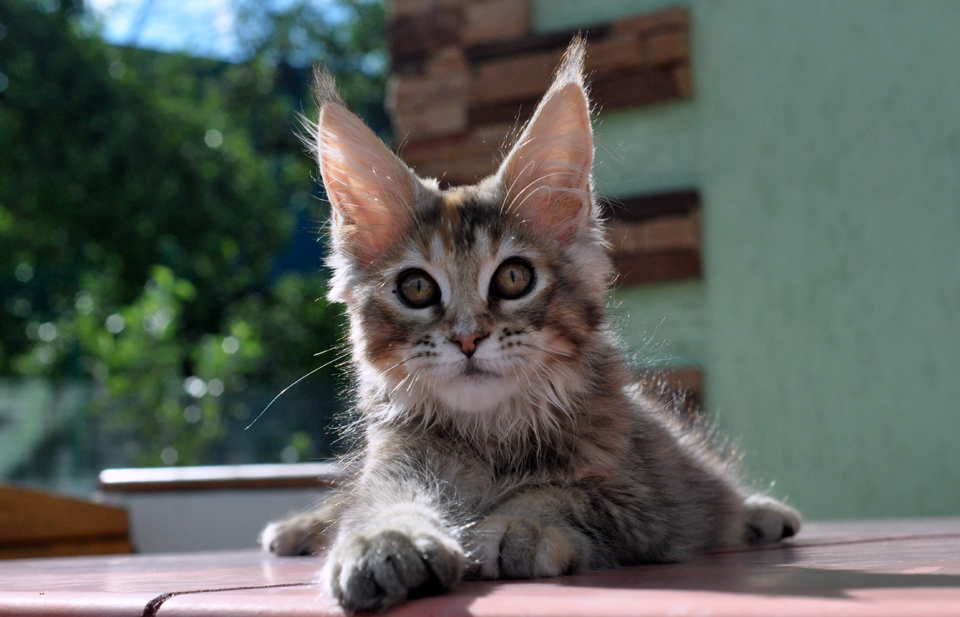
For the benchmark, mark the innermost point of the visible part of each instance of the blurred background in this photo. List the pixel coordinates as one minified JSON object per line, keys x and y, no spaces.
{"x":783,"y":180}
{"x":160,"y":270}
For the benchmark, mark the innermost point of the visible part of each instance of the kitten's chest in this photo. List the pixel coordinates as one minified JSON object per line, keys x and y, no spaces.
{"x":480,"y":479}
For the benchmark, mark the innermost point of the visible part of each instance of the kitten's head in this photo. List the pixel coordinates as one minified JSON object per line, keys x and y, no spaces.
{"x":479,"y":300}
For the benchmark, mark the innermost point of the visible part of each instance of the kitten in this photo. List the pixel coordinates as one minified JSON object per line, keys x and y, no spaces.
{"x":503,"y":435}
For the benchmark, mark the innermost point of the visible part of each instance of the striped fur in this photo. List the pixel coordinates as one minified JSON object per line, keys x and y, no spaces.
{"x":534,"y":454}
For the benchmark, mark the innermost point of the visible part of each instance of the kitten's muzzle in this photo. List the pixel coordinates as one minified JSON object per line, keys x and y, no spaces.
{"x":468,"y":342}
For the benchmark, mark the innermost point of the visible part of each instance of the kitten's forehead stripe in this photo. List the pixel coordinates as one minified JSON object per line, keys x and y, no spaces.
{"x":461,"y":216}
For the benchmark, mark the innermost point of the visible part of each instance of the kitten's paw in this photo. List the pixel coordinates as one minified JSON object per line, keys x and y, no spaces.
{"x":768,"y":520}
{"x":373,"y":572}
{"x":520,"y":547}
{"x":299,"y":535}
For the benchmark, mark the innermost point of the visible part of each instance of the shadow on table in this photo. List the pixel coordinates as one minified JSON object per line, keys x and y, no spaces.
{"x":774,"y":580}
{"x":776,"y":574}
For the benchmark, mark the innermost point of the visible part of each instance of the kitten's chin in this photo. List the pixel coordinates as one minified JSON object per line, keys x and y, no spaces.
{"x":476,"y":392}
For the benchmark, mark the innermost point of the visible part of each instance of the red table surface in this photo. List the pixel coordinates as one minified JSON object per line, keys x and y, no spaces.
{"x":869,"y":568}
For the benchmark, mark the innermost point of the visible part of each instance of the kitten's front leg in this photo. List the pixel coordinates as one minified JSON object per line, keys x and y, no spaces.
{"x":529,"y":537}
{"x":391,"y":552}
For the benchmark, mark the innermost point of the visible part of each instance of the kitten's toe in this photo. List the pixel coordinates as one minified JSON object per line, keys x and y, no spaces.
{"x":768,"y":520}
{"x":520,"y":547}
{"x":377,"y":571}
{"x":300,"y":535}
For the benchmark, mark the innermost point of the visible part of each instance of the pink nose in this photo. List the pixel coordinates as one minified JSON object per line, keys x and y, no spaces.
{"x":468,"y":342}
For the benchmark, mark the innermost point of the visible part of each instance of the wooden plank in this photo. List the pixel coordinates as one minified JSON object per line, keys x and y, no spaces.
{"x":406,"y":146}
{"x":459,"y":159}
{"x":416,"y":36}
{"x":467,"y":169}
{"x":531,"y":44}
{"x":526,"y":77}
{"x":661,"y":266}
{"x":680,"y":388}
{"x":516,"y":112}
{"x":670,"y":19}
{"x":428,"y":106}
{"x":684,"y":380}
{"x":404,"y":8}
{"x":684,"y":79}
{"x":500,"y":135}
{"x":433,"y":103}
{"x":668,"y":48}
{"x":34,"y":517}
{"x":487,"y":140}
{"x":509,"y":76}
{"x":218,"y":477}
{"x":462,"y":148}
{"x":101,"y":546}
{"x":514,"y":79}
{"x":643,"y":87}
{"x":434,"y":118}
{"x":617,"y":52}
{"x":447,"y":60}
{"x":495,"y":20}
{"x":660,"y":234}
{"x":422,"y":26}
{"x":647,"y":206}
{"x":662,"y":21}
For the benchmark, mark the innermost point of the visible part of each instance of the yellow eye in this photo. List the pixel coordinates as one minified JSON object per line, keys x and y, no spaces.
{"x":417,"y":289}
{"x":512,"y":279}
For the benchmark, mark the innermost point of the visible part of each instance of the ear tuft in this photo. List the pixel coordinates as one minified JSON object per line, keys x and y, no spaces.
{"x":325,"y":88}
{"x":571,"y":65}
{"x":547,"y":175}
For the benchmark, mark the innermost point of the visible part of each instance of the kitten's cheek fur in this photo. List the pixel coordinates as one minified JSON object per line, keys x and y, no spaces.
{"x":520,"y":547}
{"x":376,"y":570}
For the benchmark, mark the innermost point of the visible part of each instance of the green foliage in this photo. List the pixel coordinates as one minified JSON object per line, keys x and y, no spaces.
{"x":144,"y":200}
{"x":348,"y":37}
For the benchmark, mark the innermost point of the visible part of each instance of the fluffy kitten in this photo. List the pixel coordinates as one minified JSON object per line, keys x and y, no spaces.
{"x":503,"y":436}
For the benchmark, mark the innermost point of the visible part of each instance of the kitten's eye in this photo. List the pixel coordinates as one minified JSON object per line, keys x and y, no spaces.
{"x":512,"y":279}
{"x":417,"y":289}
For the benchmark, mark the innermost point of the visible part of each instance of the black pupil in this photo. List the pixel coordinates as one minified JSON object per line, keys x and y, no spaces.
{"x":512,"y":280}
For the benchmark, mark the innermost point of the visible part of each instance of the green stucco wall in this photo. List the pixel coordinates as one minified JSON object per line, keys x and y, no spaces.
{"x":663,"y":324}
{"x":647,"y":149}
{"x":825,"y":140}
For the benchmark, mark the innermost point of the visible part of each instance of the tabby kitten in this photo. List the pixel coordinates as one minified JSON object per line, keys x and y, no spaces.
{"x":503,"y":435}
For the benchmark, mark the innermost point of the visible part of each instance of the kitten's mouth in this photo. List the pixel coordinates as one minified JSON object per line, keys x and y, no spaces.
{"x":472,"y":370}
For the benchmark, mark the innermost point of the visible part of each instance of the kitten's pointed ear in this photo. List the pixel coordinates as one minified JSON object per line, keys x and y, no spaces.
{"x":372,"y":192}
{"x":546,"y":176}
